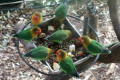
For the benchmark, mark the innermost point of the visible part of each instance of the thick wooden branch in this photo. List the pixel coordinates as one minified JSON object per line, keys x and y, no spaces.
{"x":114,"y":57}
{"x":114,"y":15}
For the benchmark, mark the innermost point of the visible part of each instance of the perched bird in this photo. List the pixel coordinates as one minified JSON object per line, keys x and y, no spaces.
{"x":36,"y":18}
{"x":39,"y":53}
{"x":59,"y":36}
{"x":93,"y":46}
{"x":61,"y":13}
{"x":66,"y":63}
{"x":28,"y":34}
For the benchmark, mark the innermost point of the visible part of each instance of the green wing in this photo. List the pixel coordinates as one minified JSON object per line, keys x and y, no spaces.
{"x":95,"y":47}
{"x":58,"y":36}
{"x":40,"y":53}
{"x":61,"y":11}
{"x":26,"y":35}
{"x":68,"y":66}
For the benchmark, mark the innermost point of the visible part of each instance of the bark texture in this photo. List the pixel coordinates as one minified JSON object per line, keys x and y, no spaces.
{"x":114,"y":9}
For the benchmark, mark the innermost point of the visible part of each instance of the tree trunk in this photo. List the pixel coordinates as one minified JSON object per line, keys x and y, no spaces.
{"x":114,"y":9}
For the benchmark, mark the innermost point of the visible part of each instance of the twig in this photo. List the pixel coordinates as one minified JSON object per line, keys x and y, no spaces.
{"x":11,"y":3}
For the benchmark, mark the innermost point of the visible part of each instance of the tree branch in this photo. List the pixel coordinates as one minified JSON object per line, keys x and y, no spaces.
{"x":114,"y":57}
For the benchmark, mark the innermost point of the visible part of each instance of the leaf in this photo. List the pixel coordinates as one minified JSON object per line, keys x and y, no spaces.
{"x":74,"y":12}
{"x":4,"y":18}
{"x":2,"y":13}
{"x":111,"y":69}
{"x":87,"y":77}
{"x":8,"y":25}
{"x":5,"y":42}
{"x":0,"y":17}
{"x":8,"y":14}
{"x":13,"y":65}
{"x":1,"y":49}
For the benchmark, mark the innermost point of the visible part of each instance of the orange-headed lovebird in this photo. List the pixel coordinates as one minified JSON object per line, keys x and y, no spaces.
{"x":66,"y":63}
{"x":93,"y":46}
{"x":36,"y":18}
{"x":28,"y":34}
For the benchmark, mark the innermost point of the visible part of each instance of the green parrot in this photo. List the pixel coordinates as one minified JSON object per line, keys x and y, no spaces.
{"x":28,"y":34}
{"x":39,"y":53}
{"x":59,"y":36}
{"x":93,"y":46}
{"x":60,"y":14}
{"x":66,"y":63}
{"x":36,"y":18}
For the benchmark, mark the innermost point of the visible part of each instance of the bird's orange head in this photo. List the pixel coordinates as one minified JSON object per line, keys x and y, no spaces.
{"x":36,"y":31}
{"x":61,"y":54}
{"x":36,"y":18}
{"x":85,"y":40}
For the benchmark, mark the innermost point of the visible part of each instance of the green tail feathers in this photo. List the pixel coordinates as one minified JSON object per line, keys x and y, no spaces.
{"x":15,"y":35}
{"x":76,"y":74}
{"x":106,"y":51}
{"x":28,"y":54}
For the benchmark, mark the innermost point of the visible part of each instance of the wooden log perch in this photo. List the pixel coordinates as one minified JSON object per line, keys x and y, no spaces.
{"x":114,"y":57}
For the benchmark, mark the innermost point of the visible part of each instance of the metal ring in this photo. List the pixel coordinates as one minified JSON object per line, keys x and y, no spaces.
{"x":56,"y":74}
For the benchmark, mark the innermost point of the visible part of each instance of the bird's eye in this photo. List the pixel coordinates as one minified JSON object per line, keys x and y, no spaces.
{"x":82,"y":39}
{"x":59,"y":53}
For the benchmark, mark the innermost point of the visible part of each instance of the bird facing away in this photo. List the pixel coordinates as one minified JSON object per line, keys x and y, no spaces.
{"x":61,"y":12}
{"x":93,"y":46}
{"x":59,"y":36}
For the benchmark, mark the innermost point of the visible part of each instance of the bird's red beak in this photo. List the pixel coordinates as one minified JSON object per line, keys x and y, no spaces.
{"x":39,"y":31}
{"x":80,"y":39}
{"x":36,"y":17}
{"x":57,"y":52}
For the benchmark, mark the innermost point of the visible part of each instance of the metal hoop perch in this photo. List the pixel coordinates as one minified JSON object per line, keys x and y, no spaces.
{"x":57,"y":73}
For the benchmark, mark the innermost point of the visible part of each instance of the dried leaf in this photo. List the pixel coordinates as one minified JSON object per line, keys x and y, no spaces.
{"x":87,"y":77}
{"x":111,"y":69}
{"x":4,"y":18}
{"x":0,"y":17}
{"x":5,"y":42}
{"x":13,"y":65}
{"x":74,"y":12}
{"x":1,"y":49}
{"x":8,"y":25}
{"x":8,"y":14}
{"x":2,"y":13}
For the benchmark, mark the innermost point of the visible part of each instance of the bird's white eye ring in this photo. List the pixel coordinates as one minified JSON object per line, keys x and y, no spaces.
{"x":82,"y":39}
{"x":37,"y":31}
{"x":59,"y":53}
